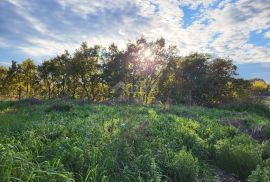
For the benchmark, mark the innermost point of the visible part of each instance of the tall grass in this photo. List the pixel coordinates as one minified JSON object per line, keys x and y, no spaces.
{"x":67,"y":141}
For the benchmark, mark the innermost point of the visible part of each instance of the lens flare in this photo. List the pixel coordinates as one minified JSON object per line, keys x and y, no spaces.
{"x":147,"y":53}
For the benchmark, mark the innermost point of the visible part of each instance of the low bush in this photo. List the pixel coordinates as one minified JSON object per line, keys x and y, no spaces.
{"x":238,"y":156}
{"x":29,"y":101}
{"x":261,"y":174}
{"x":147,"y":168}
{"x":252,"y":106}
{"x":183,"y":133}
{"x":181,"y":166}
{"x":266,"y":150}
{"x":206,"y":173}
{"x":60,"y":107}
{"x":266,"y":131}
{"x":6,"y":104}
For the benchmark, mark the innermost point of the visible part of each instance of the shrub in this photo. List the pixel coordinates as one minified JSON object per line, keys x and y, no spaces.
{"x":266,"y":131}
{"x":206,"y":173}
{"x":261,"y":174}
{"x":182,"y":166}
{"x":6,"y":104}
{"x":60,"y":107}
{"x":29,"y":101}
{"x":266,"y":150}
{"x":251,"y":106}
{"x":238,"y":156}
{"x":184,"y":133}
{"x":148,"y":169}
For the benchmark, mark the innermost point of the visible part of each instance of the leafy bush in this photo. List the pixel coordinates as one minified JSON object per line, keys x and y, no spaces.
{"x":261,"y":174}
{"x":6,"y":104}
{"x":266,"y":150}
{"x":182,"y":166}
{"x":252,"y":106}
{"x":60,"y":107}
{"x":206,"y":174}
{"x":238,"y":155}
{"x":266,"y":131}
{"x":183,"y":133}
{"x":29,"y":101}
{"x":148,"y":169}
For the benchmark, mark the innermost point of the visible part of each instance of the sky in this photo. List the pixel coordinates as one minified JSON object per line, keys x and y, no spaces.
{"x":41,"y":29}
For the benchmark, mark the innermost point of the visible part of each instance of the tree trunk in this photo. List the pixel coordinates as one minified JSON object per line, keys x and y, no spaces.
{"x":86,"y":91}
{"x":27,"y":89}
{"x":63,"y":87}
{"x":49,"y":86}
{"x":20,"y":92}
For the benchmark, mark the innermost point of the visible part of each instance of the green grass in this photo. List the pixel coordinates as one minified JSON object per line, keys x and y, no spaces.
{"x":73,"y":141}
{"x":267,"y":102}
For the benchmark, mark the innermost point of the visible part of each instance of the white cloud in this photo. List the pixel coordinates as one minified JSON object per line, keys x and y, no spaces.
{"x":5,"y":63}
{"x":3,"y":43}
{"x":23,"y":8}
{"x":195,"y":3}
{"x":226,"y":33}
{"x":267,"y":34}
{"x":46,"y":47}
{"x":86,"y":7}
{"x":234,"y":22}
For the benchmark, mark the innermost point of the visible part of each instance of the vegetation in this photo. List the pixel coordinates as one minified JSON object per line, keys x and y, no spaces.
{"x":73,"y":140}
{"x":104,"y":114}
{"x":144,"y":72}
{"x":262,"y":173}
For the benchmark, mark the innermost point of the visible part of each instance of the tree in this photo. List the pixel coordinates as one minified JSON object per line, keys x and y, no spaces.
{"x":196,"y":79}
{"x":146,"y":70}
{"x":241,"y":90}
{"x":259,"y":87}
{"x":14,"y":78}
{"x":145,"y":60}
{"x":61,"y":66}
{"x":184,"y":78}
{"x":28,"y":75}
{"x":85,"y":66}
{"x":114,"y":66}
{"x":3,"y":80}
{"x":45,"y":72}
{"x":219,"y":81}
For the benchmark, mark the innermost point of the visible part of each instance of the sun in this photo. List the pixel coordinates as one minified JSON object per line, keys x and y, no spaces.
{"x":147,"y":53}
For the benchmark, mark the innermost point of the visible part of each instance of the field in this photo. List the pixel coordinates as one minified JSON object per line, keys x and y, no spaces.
{"x":79,"y":141}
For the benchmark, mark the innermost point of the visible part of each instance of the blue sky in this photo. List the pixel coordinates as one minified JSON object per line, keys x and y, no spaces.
{"x":41,"y":29}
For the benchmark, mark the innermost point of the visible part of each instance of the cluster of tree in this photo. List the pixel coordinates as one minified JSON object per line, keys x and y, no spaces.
{"x":260,"y":88}
{"x":143,"y":72}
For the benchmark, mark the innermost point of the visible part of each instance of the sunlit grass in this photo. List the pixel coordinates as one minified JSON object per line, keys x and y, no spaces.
{"x":7,"y":110}
{"x":94,"y":142}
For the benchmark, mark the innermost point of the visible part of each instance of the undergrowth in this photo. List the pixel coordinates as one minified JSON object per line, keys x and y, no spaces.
{"x":70,"y":141}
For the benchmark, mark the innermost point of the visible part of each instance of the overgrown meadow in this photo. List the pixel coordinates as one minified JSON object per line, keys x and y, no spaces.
{"x":65,"y":140}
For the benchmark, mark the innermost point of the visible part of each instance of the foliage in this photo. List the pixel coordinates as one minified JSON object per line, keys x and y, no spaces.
{"x":95,"y":142}
{"x":16,"y":164}
{"x":181,"y":166}
{"x":252,"y":106}
{"x":232,"y":155}
{"x":266,"y":130}
{"x":261,"y":174}
{"x":259,"y":87}
{"x":143,"y":72}
{"x":61,"y":107}
{"x":266,"y":150}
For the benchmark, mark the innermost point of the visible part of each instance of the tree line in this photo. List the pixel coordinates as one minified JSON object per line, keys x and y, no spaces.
{"x":144,"y":72}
